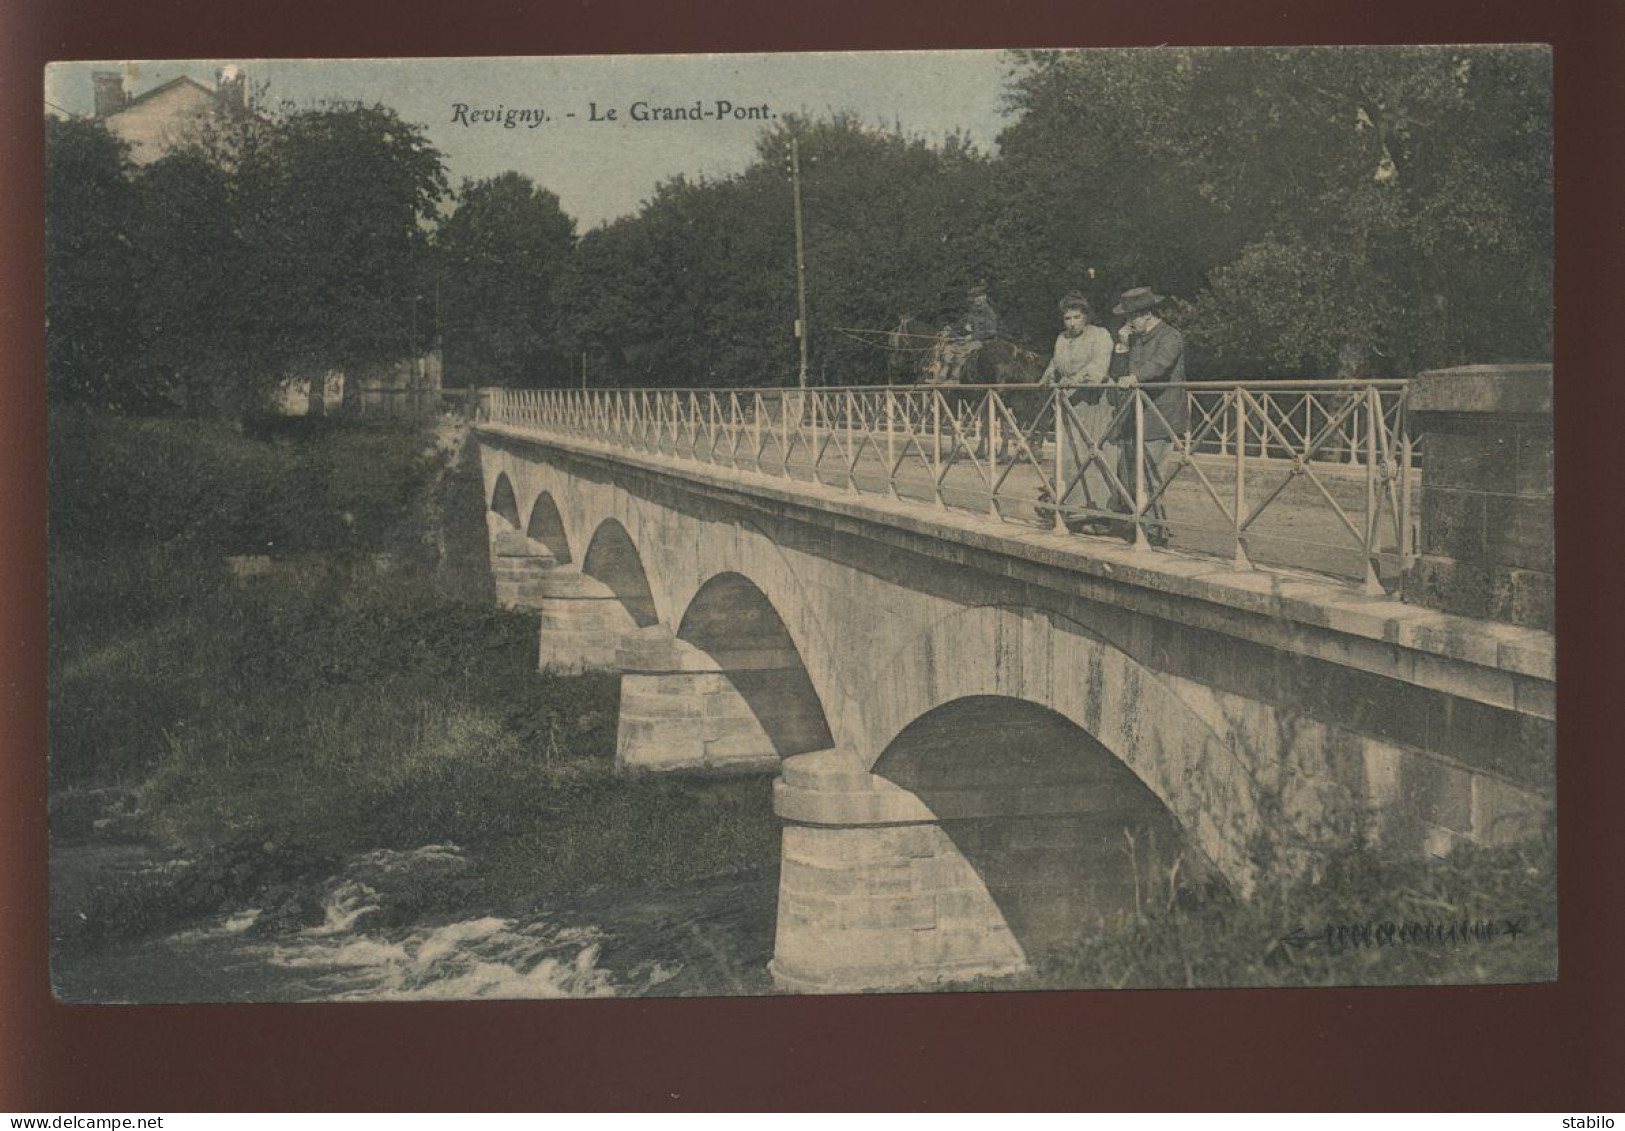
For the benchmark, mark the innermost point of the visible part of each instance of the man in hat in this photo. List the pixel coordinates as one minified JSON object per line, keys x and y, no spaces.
{"x":965,"y":340}
{"x":1151,"y":353}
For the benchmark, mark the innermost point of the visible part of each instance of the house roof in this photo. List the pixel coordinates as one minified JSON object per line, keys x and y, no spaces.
{"x":160,"y":89}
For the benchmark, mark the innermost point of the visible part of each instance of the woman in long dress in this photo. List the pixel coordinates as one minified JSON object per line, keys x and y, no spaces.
{"x":1081,"y":364}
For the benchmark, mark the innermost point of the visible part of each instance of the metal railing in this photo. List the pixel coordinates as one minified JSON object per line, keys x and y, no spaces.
{"x":1314,"y":475}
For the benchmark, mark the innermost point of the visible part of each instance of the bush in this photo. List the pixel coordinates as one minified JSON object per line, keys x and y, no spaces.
{"x":204,"y":486}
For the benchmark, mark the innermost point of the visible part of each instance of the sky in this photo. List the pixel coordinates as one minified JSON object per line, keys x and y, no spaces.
{"x":602,"y":168}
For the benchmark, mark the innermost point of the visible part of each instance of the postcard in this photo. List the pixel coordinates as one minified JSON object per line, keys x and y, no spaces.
{"x":803,"y":523}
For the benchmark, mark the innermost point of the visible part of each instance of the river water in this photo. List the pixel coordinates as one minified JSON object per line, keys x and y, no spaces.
{"x":709,"y":937}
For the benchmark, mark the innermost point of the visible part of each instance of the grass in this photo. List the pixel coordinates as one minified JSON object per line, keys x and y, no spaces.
{"x":306,"y":487}
{"x":1397,"y":915}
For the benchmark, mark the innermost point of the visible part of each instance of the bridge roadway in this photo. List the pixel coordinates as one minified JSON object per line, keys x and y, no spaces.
{"x":989,"y":736}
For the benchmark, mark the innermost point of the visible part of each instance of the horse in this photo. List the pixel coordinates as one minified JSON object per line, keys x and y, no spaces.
{"x":924,"y":355}
{"x":1002,"y":362}
{"x":910,"y":345}
{"x":920,"y":351}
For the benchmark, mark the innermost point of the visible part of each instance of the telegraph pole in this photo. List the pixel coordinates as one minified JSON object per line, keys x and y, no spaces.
{"x":801,"y":260}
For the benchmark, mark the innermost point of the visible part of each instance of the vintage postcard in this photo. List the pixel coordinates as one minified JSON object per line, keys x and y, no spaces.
{"x":806,"y":523}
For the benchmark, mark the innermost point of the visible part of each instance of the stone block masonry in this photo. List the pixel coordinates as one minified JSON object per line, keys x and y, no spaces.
{"x":1487,"y":540}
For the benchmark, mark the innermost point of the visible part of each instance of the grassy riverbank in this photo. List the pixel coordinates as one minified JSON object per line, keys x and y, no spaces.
{"x":269,"y":727}
{"x":1479,"y":916}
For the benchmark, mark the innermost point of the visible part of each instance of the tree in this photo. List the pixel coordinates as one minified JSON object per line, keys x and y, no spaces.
{"x":697,"y":289}
{"x":335,"y":207}
{"x":700,"y":286}
{"x":267,"y":248}
{"x":1347,"y":211}
{"x":893,"y":225}
{"x":1088,"y":198}
{"x":499,"y":258}
{"x":196,"y":302}
{"x":93,"y":339}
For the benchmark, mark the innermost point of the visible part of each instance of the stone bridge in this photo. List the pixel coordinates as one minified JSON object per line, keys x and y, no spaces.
{"x":990,"y":738}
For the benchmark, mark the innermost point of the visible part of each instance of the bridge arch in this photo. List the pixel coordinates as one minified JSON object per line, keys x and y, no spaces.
{"x":546,"y":526}
{"x":1065,"y":839}
{"x":613,"y":559}
{"x":503,"y":500}
{"x":733,"y":622}
{"x":1045,"y":659}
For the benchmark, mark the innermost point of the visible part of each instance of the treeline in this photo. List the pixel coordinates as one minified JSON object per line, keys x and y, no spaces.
{"x":1311,"y":212}
{"x":272,"y":248}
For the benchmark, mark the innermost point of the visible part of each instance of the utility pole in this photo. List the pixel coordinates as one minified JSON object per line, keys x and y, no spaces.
{"x":801,"y":260}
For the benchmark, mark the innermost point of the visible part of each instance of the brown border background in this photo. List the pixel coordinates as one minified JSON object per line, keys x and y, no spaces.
{"x":1492,"y":1048}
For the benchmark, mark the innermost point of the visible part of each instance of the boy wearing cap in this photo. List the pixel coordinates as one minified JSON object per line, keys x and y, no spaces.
{"x":980,"y":326}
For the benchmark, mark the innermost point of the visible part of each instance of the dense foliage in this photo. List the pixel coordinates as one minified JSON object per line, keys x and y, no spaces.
{"x":1312,"y":212}
{"x":93,"y":338}
{"x":270,"y":248}
{"x":699,"y":287}
{"x":203,"y":488}
{"x":1346,"y":211}
{"x":498,"y":261}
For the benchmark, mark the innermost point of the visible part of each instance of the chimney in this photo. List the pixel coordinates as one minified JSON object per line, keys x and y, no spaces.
{"x":110,"y":96}
{"x":232,"y":87}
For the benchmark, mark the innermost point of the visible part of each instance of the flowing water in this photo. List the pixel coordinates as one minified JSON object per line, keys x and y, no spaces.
{"x":709,"y":937}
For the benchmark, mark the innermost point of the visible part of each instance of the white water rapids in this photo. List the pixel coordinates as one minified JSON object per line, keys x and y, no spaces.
{"x":705,"y":938}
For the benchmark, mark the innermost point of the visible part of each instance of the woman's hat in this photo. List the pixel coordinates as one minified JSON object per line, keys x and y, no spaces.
{"x":1137,"y":299}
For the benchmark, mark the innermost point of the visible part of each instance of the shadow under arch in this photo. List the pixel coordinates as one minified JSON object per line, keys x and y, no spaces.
{"x":546,"y":526}
{"x":503,"y":501}
{"x":1067,"y":840}
{"x":733,"y":622}
{"x":612,"y":559}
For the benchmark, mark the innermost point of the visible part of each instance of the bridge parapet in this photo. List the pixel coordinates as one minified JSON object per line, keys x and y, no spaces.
{"x":1306,"y":474}
{"x":1502,"y":664}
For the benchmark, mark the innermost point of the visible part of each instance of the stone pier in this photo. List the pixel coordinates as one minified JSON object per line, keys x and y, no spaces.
{"x":679,"y":711}
{"x":873,"y":894}
{"x":582,"y":622}
{"x":982,"y":836}
{"x":517,"y":567}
